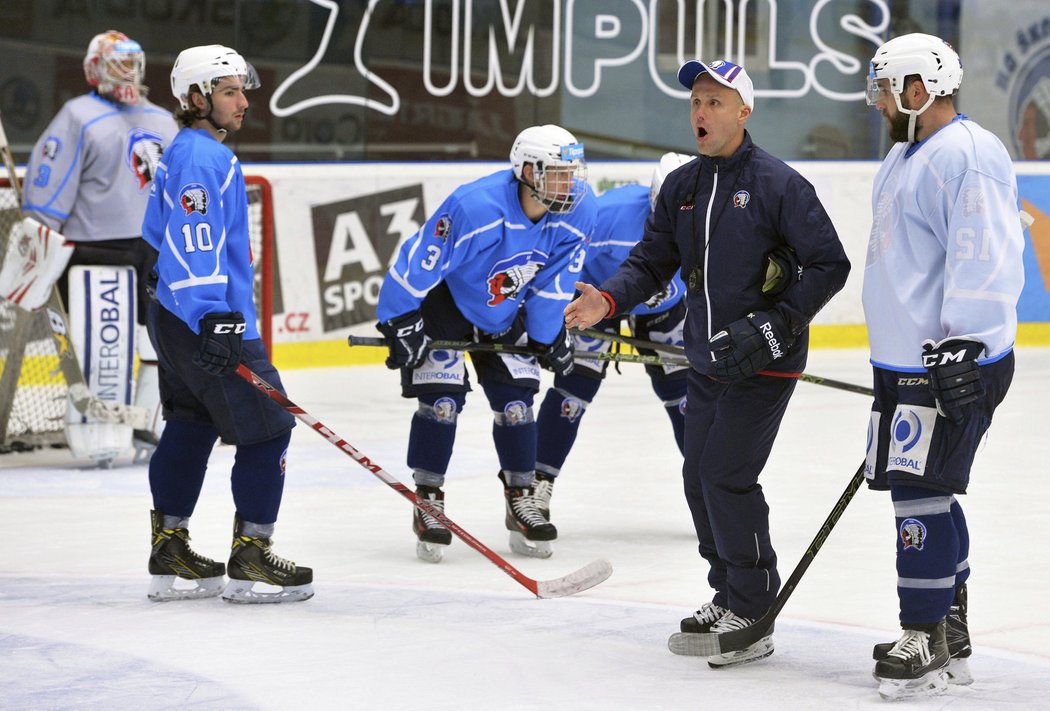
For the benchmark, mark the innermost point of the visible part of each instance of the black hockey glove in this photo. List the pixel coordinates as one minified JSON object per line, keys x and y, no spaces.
{"x":220,"y":347}
{"x":557,"y":356}
{"x":406,"y":340}
{"x":955,"y":377}
{"x":782,"y":270}
{"x":747,"y":346}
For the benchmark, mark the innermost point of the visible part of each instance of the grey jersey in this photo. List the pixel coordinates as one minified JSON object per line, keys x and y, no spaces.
{"x":90,"y":172}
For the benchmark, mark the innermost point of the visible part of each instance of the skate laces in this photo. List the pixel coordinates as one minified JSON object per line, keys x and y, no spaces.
{"x":912,"y":642}
{"x":276,"y":560}
{"x":541,"y":491}
{"x":709,"y":613}
{"x":730,"y":622}
{"x":524,"y":507}
{"x":428,"y":520}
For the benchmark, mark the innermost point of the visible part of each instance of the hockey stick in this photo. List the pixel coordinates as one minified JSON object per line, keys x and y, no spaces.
{"x":85,"y":401}
{"x":586,"y":577}
{"x":707,"y":644}
{"x":523,"y":350}
{"x":678,"y":350}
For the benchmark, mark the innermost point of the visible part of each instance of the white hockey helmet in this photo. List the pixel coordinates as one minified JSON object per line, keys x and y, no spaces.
{"x":559,"y":166}
{"x":668,"y":162}
{"x":203,"y":66}
{"x":115,"y":66}
{"x":929,"y":57}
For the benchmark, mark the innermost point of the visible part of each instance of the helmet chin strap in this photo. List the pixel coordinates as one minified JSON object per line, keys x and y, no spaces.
{"x":914,"y":113}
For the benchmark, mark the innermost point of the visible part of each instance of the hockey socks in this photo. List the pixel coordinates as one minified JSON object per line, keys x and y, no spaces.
{"x":258,"y":478}
{"x":176,"y":469}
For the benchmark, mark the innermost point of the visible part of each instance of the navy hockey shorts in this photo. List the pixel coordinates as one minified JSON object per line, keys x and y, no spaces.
{"x":240,"y":413}
{"x":445,"y":371}
{"x":910,"y":444}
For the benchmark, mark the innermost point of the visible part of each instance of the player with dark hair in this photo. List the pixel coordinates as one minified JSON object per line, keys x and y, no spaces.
{"x":941,"y":285}
{"x":622,"y":213}
{"x":495,"y":262}
{"x":203,"y":325}
{"x":89,"y":176}
{"x":728,"y":220}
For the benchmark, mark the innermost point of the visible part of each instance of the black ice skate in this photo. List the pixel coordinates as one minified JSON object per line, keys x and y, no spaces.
{"x":542,"y":489}
{"x":530,"y":533}
{"x":759,"y":650}
{"x":703,"y":619}
{"x":916,"y":665}
{"x":432,"y":534}
{"x":253,"y":562}
{"x":957,"y":634}
{"x":171,"y":559}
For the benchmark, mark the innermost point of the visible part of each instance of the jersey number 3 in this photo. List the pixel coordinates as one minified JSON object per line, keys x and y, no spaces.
{"x":197,"y":237}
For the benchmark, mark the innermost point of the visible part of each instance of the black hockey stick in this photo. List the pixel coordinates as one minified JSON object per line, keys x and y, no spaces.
{"x":523,"y":350}
{"x":678,"y":350}
{"x":707,"y":644}
{"x":85,"y":401}
{"x":586,"y":577}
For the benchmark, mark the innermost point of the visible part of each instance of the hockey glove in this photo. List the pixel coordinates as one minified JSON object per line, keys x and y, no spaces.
{"x":406,"y":340}
{"x":220,"y":347}
{"x":782,"y":270}
{"x":955,"y":377}
{"x":556,"y":357}
{"x":747,"y":346}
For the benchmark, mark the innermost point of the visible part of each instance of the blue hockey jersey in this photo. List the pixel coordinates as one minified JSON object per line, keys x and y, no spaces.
{"x":622,"y":213}
{"x":493,"y":259}
{"x":197,"y":220}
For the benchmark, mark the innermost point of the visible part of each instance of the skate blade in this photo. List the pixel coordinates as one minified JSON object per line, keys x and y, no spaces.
{"x":930,"y":684}
{"x":534,"y":549}
{"x":167,"y":588}
{"x":759,"y":650}
{"x":244,"y":592}
{"x":430,"y":552}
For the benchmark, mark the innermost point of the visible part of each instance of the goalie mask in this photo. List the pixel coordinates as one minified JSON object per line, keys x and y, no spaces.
{"x":668,"y":162}
{"x":202,"y":67}
{"x":114,"y":66}
{"x":930,"y":58}
{"x":559,"y":171}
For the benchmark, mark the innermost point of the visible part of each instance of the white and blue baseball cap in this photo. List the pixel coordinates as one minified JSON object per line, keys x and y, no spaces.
{"x":724,"y":72}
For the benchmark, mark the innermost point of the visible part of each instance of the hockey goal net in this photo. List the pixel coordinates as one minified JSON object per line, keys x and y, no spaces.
{"x":33,"y":392}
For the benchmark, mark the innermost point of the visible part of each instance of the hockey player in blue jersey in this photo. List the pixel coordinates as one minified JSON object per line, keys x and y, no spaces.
{"x":622,"y":213}
{"x":90,"y":173}
{"x":943,"y":275}
{"x":203,"y":325}
{"x":495,"y":262}
{"x":723,"y":219}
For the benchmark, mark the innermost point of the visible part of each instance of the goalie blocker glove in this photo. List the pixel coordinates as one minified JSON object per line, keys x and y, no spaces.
{"x":405,"y":339}
{"x":955,"y":377}
{"x":750,"y":344}
{"x":558,"y":355}
{"x":220,"y":348}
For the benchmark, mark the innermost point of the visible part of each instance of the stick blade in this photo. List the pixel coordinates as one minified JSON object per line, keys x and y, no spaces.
{"x":583,"y":579}
{"x":708,"y":644}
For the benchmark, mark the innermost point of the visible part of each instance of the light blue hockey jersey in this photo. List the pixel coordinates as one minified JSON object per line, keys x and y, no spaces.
{"x":622,"y":213}
{"x":197,"y":220}
{"x":493,"y":258}
{"x":945,"y":251}
{"x":90,"y":172}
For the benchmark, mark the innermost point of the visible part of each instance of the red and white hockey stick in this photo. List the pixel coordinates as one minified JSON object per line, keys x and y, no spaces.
{"x":584,"y":578}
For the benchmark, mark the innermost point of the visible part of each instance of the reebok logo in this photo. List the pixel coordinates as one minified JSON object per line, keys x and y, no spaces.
{"x":771,"y":340}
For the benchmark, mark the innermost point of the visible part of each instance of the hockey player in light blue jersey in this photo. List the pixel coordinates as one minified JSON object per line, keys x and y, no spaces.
{"x":495,"y":262}
{"x":203,"y":324}
{"x":90,"y":173}
{"x":941,"y":284}
{"x":622,"y":213}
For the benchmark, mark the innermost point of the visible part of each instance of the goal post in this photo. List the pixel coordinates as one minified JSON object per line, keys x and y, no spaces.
{"x":33,"y":391}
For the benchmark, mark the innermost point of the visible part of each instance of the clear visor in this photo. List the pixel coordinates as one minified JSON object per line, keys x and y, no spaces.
{"x":247,"y":81}
{"x":875,"y":92}
{"x":561,"y":186}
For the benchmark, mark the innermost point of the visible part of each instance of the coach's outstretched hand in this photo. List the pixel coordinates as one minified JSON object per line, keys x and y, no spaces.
{"x":220,"y":348}
{"x":405,"y":339}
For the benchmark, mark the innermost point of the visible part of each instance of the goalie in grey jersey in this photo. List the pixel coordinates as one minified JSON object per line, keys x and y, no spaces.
{"x":943,"y":276}
{"x":90,"y":173}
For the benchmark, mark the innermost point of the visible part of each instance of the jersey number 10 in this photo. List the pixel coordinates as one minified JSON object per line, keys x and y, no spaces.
{"x":203,"y":237}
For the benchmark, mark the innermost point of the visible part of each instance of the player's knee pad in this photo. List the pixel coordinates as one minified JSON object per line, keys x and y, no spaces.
{"x":433,"y":432}
{"x":927,"y":552}
{"x":513,"y":426}
{"x":511,"y":404}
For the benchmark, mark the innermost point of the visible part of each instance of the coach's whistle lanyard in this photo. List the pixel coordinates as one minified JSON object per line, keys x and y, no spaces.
{"x":695,"y":281}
